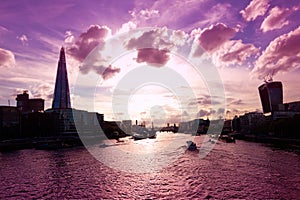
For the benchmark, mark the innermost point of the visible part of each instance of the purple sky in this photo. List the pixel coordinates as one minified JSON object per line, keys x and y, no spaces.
{"x":246,"y":40}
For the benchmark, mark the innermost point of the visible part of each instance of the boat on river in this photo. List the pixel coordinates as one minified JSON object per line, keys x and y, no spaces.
{"x":191,"y":146}
{"x":144,"y":134}
{"x":227,"y":138}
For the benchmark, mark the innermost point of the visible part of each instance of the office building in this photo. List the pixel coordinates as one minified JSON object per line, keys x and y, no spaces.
{"x":271,"y":96}
{"x":9,"y":122}
{"x":26,"y":105}
{"x":61,"y":98}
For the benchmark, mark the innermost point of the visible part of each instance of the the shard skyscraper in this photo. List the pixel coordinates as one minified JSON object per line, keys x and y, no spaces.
{"x":61,"y":99}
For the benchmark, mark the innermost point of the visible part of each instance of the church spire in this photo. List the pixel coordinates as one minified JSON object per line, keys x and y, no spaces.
{"x":61,"y":97}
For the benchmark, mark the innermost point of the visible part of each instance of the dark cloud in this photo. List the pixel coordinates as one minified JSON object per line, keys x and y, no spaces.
{"x":203,"y":113}
{"x":84,"y":44}
{"x":153,"y":47}
{"x":211,"y":112}
{"x":277,"y":18}
{"x":7,"y":58}
{"x":150,"y":39}
{"x":215,"y":36}
{"x":87,"y":41}
{"x":153,"y":56}
{"x":204,"y":101}
{"x":109,"y":72}
{"x":104,"y":72}
{"x":236,"y":52}
{"x":281,"y":55}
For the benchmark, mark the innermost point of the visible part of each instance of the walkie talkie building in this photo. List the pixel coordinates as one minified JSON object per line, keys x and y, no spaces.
{"x":271,"y":96}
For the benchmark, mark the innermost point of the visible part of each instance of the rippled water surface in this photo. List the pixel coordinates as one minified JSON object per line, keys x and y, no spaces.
{"x":230,"y":171}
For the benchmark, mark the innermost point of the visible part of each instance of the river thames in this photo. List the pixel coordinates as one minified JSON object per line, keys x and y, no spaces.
{"x":241,"y":170}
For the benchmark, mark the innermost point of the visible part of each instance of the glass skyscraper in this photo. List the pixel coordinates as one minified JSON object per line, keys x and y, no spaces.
{"x":61,"y":99}
{"x":271,"y":96}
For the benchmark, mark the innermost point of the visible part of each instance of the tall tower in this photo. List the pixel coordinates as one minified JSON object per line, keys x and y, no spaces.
{"x":61,"y":97}
{"x":271,"y":96}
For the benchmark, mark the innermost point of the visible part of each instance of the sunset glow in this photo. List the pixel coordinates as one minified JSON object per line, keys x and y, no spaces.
{"x":244,"y":40}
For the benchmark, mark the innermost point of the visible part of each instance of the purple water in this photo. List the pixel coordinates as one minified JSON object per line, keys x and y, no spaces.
{"x":243,"y":170}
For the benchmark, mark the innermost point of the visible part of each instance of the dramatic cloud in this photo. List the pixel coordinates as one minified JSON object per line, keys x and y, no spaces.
{"x":127,"y":27}
{"x":215,"y":36}
{"x":100,"y":66}
{"x":179,"y":37}
{"x":154,"y":46}
{"x":234,"y":52}
{"x":207,"y":113}
{"x":282,"y":54}
{"x":106,"y":72}
{"x":87,"y":41}
{"x":109,"y":72}
{"x":7,"y":58}
{"x":277,"y":18}
{"x":153,"y":56}
{"x":204,"y":101}
{"x":254,"y":9}
{"x":204,"y":113}
{"x":151,"y":39}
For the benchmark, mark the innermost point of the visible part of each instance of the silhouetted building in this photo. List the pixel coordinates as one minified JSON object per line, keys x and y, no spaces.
{"x":293,"y":106}
{"x":9,"y":122}
{"x":250,"y":121}
{"x":72,"y":121}
{"x":66,"y":120}
{"x":236,"y":124}
{"x":61,"y":99}
{"x":26,"y":105}
{"x":271,"y":96}
{"x":37,"y":125}
{"x":227,"y":128}
{"x":196,"y":126}
{"x":112,"y":129}
{"x":127,"y":126}
{"x":272,"y":101}
{"x":61,"y":111}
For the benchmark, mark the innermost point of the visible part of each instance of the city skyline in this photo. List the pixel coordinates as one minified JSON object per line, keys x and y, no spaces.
{"x":255,"y":39}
